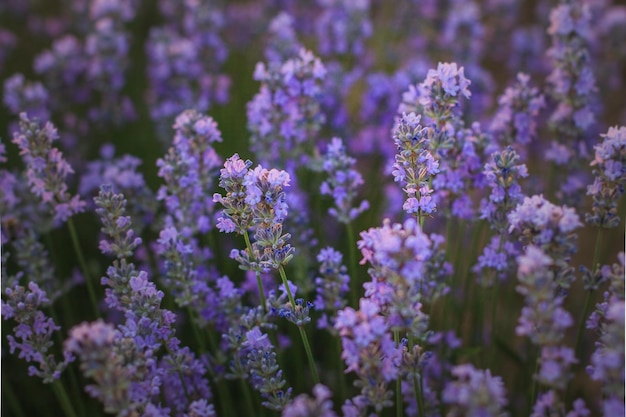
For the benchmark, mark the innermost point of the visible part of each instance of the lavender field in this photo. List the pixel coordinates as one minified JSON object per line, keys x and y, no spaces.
{"x":312,"y":208}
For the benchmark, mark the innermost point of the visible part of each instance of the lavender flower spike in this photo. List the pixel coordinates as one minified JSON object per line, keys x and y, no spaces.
{"x":34,"y":331}
{"x":610,"y":178}
{"x":305,"y":406}
{"x":414,"y":166}
{"x":342,"y":182}
{"x":474,"y":392}
{"x":46,"y":168}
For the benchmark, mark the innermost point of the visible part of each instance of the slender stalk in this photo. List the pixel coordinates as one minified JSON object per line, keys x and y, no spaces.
{"x":61,"y":394}
{"x":72,"y":373}
{"x":417,"y":386}
{"x":258,"y":274}
{"x":352,"y":265}
{"x":305,"y":339}
{"x":83,"y":266}
{"x":11,"y":397}
{"x":587,"y":305}
{"x":342,"y":375}
{"x":248,"y":398}
{"x":399,"y":410}
{"x":196,"y":331}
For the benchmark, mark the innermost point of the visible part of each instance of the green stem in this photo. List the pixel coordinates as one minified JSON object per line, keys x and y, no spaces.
{"x":83,"y":266}
{"x":258,"y":274}
{"x":342,"y":375}
{"x":594,"y":268}
{"x":248,"y":398}
{"x":196,"y":331}
{"x":305,"y":339}
{"x":11,"y":397}
{"x":72,"y":373}
{"x":352,"y":265}
{"x":61,"y":395}
{"x":399,"y":410}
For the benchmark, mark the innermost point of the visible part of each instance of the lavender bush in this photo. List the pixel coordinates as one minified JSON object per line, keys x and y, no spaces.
{"x":322,"y":208}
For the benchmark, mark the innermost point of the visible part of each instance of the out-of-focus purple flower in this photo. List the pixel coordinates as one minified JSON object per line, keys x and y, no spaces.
{"x":369,"y":351}
{"x":305,"y":406}
{"x":21,"y":96}
{"x":607,"y":362}
{"x":32,"y":336}
{"x":283,"y":43}
{"x":399,"y":255}
{"x":474,"y":392}
{"x":332,"y":286}
{"x":179,"y":76}
{"x":502,"y":175}
{"x":284,"y":116}
{"x":551,"y":228}
{"x":610,"y":178}
{"x":515,"y":121}
{"x":46,"y":168}
{"x":342,"y":182}
{"x":96,"y":345}
{"x":572,"y":85}
{"x":343,"y":26}
{"x":188,"y":171}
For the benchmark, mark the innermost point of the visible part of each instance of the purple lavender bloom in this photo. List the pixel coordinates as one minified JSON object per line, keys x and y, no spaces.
{"x":237,"y":214}
{"x":64,"y":69}
{"x":265,"y":201}
{"x":34,"y":331}
{"x":284,"y":117}
{"x":342,"y":182}
{"x":21,"y":96}
{"x":179,"y":78}
{"x":499,"y":256}
{"x":610,"y":178}
{"x":343,"y":27}
{"x":369,"y":351}
{"x":440,"y":92}
{"x":97,"y":346}
{"x":46,"y":168}
{"x":402,"y":262}
{"x":283,"y":43}
{"x":265,"y":374}
{"x":332,"y":286}
{"x":543,"y":318}
{"x":538,"y":222}
{"x":188,"y":170}
{"x":573,"y":87}
{"x":516,"y":119}
{"x":474,"y":393}
{"x":607,"y":362}
{"x":148,"y":326}
{"x":502,"y":175}
{"x":305,"y":406}
{"x":414,"y":166}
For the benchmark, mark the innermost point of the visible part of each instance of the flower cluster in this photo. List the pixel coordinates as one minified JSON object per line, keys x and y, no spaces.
{"x":610,"y":178}
{"x":342,"y":182}
{"x":474,"y":392}
{"x":332,"y":286}
{"x":343,"y":26}
{"x":284,"y":117}
{"x":516,"y":119}
{"x":544,"y":321}
{"x":369,"y":351}
{"x":414,"y":165}
{"x":304,"y":406}
{"x":34,"y":331}
{"x":551,"y":228}
{"x":255,"y":198}
{"x":47,"y":169}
